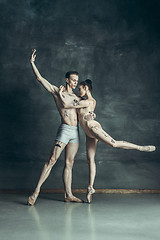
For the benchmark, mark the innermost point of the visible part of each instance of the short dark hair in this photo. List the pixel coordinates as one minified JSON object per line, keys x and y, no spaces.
{"x":67,"y":75}
{"x":88,"y":83}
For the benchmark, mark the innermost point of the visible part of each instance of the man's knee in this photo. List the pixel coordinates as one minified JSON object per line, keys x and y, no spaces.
{"x":69,"y":163}
{"x":52,"y":161}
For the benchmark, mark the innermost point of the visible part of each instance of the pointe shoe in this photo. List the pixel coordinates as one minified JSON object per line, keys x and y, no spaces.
{"x":90,"y":191}
{"x":148,"y":148}
{"x":73,"y":199}
{"x":32,"y":199}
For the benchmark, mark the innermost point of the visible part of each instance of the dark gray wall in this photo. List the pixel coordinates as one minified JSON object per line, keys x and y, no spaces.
{"x":113,"y":42}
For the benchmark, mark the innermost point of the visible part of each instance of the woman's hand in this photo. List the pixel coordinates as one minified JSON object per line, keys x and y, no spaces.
{"x":90,"y":116}
{"x":33,"y":56}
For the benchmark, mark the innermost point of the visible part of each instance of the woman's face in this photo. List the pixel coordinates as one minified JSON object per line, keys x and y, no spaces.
{"x":82,"y":91}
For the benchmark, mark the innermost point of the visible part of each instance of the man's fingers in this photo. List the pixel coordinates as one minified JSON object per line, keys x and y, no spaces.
{"x":61,"y":87}
{"x":33,"y":51}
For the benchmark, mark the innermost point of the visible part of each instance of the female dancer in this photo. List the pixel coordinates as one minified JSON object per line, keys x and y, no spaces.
{"x":93,"y":130}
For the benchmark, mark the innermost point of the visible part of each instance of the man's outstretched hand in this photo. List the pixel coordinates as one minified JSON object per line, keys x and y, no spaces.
{"x":33,"y":56}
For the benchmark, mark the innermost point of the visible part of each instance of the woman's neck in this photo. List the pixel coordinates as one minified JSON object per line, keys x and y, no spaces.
{"x":89,"y":95}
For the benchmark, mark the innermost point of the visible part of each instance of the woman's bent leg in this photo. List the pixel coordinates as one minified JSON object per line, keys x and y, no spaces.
{"x":97,"y":131}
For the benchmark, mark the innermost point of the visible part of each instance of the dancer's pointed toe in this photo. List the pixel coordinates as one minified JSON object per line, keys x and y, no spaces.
{"x":90,"y":191}
{"x":32,"y":199}
{"x":148,"y":148}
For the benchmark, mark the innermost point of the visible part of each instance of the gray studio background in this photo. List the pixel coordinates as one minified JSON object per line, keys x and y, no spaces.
{"x":113,"y":42}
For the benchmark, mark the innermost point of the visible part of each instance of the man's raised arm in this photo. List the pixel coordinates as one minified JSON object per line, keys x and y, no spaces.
{"x":49,"y":87}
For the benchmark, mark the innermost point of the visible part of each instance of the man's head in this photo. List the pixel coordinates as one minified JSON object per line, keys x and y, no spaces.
{"x":72,"y":79}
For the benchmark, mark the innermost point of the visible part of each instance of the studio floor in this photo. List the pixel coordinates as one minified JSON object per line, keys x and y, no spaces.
{"x":110,"y":216}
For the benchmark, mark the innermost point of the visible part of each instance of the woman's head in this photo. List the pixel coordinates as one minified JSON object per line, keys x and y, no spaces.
{"x":85,"y":86}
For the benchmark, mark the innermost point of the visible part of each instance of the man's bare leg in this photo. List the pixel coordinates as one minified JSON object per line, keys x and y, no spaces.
{"x":57,"y":149}
{"x":91,"y":144}
{"x":70,"y":152}
{"x":97,"y":132}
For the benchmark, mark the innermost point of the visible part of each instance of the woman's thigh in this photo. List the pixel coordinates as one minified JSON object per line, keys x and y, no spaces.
{"x":96,"y":131}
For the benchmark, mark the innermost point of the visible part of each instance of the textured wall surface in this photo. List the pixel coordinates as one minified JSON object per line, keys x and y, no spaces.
{"x":116,"y":43}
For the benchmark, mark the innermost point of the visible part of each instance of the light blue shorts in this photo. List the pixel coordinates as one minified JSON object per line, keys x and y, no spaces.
{"x":67,"y":133}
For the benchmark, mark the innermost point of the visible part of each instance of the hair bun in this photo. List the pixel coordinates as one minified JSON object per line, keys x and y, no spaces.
{"x":88,"y":81}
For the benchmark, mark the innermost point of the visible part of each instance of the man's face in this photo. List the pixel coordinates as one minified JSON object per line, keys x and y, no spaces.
{"x":72,"y":81}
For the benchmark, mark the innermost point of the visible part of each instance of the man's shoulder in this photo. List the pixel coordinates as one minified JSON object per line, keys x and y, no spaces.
{"x":73,"y":95}
{"x":55,"y":88}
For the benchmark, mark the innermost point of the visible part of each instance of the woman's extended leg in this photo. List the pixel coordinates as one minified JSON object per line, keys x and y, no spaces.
{"x":91,"y":144}
{"x":97,"y":131}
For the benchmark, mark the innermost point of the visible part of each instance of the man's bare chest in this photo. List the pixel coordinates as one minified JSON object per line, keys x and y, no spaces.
{"x":69,"y":98}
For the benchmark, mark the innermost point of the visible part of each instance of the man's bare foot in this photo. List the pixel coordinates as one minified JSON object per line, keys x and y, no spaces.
{"x":32,"y":199}
{"x":147,"y":148}
{"x":90,"y":191}
{"x":73,"y":199}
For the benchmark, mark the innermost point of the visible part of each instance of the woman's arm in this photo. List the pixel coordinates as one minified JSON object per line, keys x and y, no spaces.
{"x":75,"y":103}
{"x":49,"y":87}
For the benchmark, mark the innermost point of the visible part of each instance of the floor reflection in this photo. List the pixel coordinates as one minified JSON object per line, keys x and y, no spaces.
{"x":40,"y":227}
{"x":73,"y":219}
{"x":80,"y":216}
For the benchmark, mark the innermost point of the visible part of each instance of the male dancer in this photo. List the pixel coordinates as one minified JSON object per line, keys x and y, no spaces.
{"x":67,"y":135}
